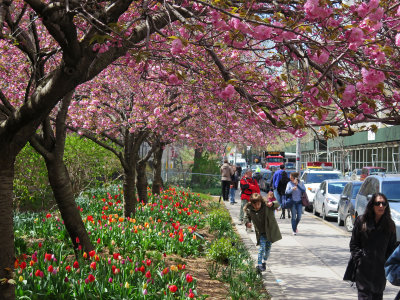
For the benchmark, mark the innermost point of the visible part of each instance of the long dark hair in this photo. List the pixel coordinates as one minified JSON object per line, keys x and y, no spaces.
{"x":369,"y":215}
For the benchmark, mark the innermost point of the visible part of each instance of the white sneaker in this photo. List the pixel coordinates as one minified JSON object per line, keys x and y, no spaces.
{"x":294,"y":233}
{"x":240,"y":223}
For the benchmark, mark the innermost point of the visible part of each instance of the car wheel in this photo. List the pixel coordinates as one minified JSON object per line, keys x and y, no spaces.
{"x":323,"y":212}
{"x":348,"y":223}
{"x":339,"y":220}
{"x":314,"y":210}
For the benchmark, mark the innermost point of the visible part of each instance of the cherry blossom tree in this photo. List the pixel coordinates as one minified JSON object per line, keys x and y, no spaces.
{"x":303,"y":63}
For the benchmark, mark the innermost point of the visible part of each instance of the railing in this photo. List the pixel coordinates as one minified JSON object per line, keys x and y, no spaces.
{"x":197,"y":182}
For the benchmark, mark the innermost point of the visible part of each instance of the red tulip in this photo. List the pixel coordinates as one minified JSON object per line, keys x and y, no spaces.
{"x":173,"y":288}
{"x":76,"y":265}
{"x":91,"y":278}
{"x":189,"y":278}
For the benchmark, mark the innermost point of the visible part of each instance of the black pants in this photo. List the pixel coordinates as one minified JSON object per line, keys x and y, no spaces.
{"x":364,"y":295}
{"x":225,"y":189}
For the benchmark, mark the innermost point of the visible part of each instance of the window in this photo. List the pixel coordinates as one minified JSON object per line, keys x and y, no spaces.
{"x":364,"y":186}
{"x":319,"y":177}
{"x":356,"y":188}
{"x":391,"y":190}
{"x":372,"y":187}
{"x":336,"y":187}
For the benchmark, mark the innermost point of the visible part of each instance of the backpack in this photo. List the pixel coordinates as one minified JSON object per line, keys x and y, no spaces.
{"x":283,"y":183}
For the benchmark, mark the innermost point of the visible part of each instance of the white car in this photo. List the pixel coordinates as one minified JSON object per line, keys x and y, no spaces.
{"x":327,"y":197}
{"x":312,"y":178}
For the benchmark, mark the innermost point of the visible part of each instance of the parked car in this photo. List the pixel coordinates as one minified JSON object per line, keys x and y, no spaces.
{"x":327,"y":197}
{"x":265,"y":180}
{"x":366,"y":171}
{"x":346,"y":207}
{"x":386,"y":184}
{"x":312,"y":179}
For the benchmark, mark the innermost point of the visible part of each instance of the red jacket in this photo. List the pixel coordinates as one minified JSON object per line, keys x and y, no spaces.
{"x":248,"y":187}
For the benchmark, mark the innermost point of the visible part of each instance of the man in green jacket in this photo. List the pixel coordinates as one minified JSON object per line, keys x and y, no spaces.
{"x":261,"y":214}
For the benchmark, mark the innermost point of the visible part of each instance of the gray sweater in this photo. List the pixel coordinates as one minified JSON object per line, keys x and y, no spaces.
{"x":296,"y":194}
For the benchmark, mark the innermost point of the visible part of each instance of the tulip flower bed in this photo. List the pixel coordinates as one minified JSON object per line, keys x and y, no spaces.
{"x":129,"y":261}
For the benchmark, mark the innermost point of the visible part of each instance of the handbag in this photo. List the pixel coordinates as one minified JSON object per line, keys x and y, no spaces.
{"x":287,"y":201}
{"x":304,"y":199}
{"x":350,"y":273}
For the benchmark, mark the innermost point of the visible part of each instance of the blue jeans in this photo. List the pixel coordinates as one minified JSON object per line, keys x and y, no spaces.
{"x":232,"y":192}
{"x":265,"y":249}
{"x":241,"y":213}
{"x":297,"y":210}
{"x":277,"y":196}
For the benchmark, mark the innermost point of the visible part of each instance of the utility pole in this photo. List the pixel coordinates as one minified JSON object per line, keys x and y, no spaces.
{"x":298,"y":155}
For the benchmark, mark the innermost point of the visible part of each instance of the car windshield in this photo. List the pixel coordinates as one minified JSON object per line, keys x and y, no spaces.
{"x":274,"y":159}
{"x":356,"y":188}
{"x":319,"y":177}
{"x":377,"y":170}
{"x":391,"y":190}
{"x":336,"y":187}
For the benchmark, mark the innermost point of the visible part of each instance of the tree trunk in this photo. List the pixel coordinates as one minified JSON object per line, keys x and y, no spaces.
{"x":141,"y":181}
{"x":196,"y":166}
{"x":129,"y":192}
{"x":63,"y":193}
{"x":157,"y":179}
{"x":7,"y":257}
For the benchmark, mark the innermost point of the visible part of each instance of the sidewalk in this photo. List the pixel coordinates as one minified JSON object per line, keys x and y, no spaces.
{"x":309,"y":265}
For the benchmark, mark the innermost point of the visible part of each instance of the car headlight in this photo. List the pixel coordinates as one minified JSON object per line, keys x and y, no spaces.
{"x":331,"y":201}
{"x":395,"y":216}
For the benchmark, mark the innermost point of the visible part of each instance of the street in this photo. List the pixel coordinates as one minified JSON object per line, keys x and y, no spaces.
{"x":309,"y":265}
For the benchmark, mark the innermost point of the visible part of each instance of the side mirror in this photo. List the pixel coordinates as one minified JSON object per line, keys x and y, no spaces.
{"x":369,"y":197}
{"x":344,"y":197}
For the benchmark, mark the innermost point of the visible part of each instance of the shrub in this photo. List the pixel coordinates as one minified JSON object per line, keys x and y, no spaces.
{"x":221,"y":250}
{"x":219,"y":220}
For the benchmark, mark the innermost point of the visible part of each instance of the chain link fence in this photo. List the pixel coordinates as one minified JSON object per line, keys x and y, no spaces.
{"x":197,"y":182}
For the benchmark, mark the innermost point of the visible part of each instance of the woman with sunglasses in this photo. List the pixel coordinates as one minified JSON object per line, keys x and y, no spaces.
{"x":373,"y":240}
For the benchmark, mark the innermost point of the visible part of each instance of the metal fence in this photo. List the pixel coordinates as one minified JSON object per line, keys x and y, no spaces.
{"x":198,"y":182}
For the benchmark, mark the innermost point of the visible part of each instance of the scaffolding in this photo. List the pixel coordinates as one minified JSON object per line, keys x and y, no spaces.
{"x":386,"y":155}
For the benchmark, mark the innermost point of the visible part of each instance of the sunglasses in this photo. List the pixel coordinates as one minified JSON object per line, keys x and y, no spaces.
{"x":384,"y":204}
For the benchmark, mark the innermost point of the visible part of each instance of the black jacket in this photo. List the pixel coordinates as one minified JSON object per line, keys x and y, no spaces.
{"x":370,"y":249}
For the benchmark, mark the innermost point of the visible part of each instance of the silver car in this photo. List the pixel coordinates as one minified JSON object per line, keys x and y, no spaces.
{"x":327,"y":198}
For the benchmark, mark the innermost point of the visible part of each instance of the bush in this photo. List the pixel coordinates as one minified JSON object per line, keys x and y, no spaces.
{"x":219,"y":220}
{"x":88,"y":165}
{"x":221,"y":250}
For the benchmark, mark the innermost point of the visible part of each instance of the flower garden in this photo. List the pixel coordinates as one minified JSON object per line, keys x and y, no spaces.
{"x":130,"y":260}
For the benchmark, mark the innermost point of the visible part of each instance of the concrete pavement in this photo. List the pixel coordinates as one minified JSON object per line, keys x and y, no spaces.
{"x":309,"y":265}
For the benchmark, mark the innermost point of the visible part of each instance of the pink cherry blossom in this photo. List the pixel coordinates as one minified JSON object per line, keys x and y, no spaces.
{"x":177,"y":47}
{"x":397,"y":38}
{"x":228,"y":92}
{"x":372,"y":77}
{"x":348,"y":97}
{"x":261,"y":32}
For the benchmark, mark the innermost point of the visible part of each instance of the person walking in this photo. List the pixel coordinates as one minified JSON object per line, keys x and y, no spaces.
{"x":226,"y":173}
{"x":234,"y":185}
{"x":260,"y":212}
{"x":372,"y":241}
{"x":248,"y":186}
{"x":295,"y":188}
{"x":279,"y":182}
